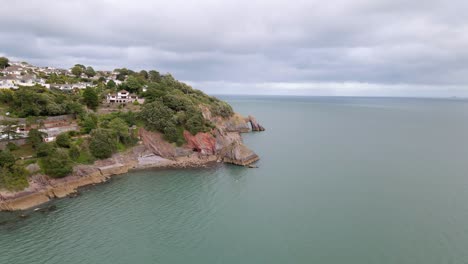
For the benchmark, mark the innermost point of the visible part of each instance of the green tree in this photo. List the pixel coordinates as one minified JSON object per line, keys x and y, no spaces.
{"x":4,"y":62}
{"x":120,"y":128}
{"x":11,"y":146}
{"x":78,"y":69}
{"x":7,"y":159}
{"x":57,"y":164}
{"x":44,"y":149}
{"x":111,"y":84}
{"x":90,"y":71}
{"x":63,"y":140}
{"x":88,"y":122}
{"x":13,"y":178}
{"x":103,"y":143}
{"x":154,"y":76}
{"x":74,"y":152}
{"x":134,"y":84}
{"x":91,"y":98}
{"x":195,"y":124}
{"x":157,"y":116}
{"x":35,"y":137}
{"x":144,"y":74}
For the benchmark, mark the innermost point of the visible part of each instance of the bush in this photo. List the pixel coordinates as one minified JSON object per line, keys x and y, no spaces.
{"x":157,"y":116}
{"x":74,"y":153}
{"x":11,"y":146}
{"x":57,"y":165}
{"x":44,"y":150}
{"x":63,"y":140}
{"x":103,"y":143}
{"x":7,"y":159}
{"x":14,"y":178}
{"x":35,"y":137}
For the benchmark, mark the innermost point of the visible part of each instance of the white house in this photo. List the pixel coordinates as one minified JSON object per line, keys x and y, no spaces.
{"x":15,"y":70}
{"x":123,"y":97}
{"x":8,"y":83}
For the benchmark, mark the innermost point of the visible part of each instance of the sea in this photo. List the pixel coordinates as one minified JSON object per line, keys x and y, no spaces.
{"x":340,"y":180}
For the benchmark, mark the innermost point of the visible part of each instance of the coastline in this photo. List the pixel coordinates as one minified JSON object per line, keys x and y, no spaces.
{"x":61,"y":188}
{"x":224,"y":144}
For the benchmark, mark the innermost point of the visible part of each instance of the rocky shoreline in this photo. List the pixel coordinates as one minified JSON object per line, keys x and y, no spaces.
{"x":224,"y":144}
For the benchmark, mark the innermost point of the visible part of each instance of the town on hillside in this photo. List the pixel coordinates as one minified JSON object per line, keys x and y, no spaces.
{"x":52,"y":119}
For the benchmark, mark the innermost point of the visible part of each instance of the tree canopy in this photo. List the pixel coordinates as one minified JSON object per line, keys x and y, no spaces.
{"x":4,"y":62}
{"x":91,"y":98}
{"x":103,"y":143}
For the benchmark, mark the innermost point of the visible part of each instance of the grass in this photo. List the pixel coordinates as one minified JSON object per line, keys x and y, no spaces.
{"x":24,"y":151}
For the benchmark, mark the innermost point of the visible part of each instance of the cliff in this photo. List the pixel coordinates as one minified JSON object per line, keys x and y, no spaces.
{"x":223,"y":143}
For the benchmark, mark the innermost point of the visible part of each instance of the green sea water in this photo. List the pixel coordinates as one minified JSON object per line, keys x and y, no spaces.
{"x":340,"y":180}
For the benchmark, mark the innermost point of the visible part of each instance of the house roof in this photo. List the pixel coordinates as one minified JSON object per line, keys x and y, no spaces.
{"x":123,"y":91}
{"x":14,"y":68}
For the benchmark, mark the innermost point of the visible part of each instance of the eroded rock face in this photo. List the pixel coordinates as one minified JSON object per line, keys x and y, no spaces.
{"x":231,"y":149}
{"x":255,"y":125}
{"x":236,"y":123}
{"x":239,"y":154}
{"x":155,"y":143}
{"x":203,"y":143}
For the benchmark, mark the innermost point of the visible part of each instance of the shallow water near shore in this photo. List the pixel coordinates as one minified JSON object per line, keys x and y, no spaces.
{"x":340,"y":180}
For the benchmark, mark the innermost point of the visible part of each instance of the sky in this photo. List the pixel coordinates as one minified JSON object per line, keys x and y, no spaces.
{"x":284,"y":47}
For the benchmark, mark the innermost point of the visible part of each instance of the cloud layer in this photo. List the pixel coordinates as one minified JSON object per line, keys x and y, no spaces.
{"x":338,"y":47}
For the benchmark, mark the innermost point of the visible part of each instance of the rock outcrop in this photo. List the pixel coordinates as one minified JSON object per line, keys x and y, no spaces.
{"x":255,"y":125}
{"x":156,"y":144}
{"x":239,"y":154}
{"x":203,"y":143}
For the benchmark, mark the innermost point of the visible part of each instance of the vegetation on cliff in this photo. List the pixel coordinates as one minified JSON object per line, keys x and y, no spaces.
{"x":170,"y":107}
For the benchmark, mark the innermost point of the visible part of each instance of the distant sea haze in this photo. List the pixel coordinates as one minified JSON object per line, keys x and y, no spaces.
{"x":340,"y":180}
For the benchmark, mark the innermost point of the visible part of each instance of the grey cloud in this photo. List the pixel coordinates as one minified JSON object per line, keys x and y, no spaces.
{"x":406,"y":44}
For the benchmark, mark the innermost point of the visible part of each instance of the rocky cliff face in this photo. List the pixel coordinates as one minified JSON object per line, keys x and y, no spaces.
{"x":255,"y":125}
{"x":224,"y":141}
{"x":156,"y":144}
{"x":203,"y":143}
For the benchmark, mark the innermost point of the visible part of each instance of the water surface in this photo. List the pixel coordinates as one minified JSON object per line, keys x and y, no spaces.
{"x":341,"y":180}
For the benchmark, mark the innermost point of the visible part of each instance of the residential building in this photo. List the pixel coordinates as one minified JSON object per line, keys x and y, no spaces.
{"x":123,"y":97}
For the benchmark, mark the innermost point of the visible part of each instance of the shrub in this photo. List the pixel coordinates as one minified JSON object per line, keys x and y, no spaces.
{"x":14,"y":178}
{"x":44,"y":150}
{"x":63,"y":140}
{"x":103,"y":143}
{"x":7,"y":159}
{"x":57,"y":165}
{"x":11,"y":146}
{"x":35,"y":137}
{"x":74,"y":153}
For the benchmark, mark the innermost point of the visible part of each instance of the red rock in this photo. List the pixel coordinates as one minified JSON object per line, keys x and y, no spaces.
{"x":203,"y":143}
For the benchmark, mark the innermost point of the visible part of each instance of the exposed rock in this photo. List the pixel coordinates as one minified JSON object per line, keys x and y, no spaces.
{"x":203,"y":143}
{"x":152,"y":160}
{"x":255,"y":125}
{"x":239,"y":154}
{"x":236,"y":123}
{"x":33,"y":168}
{"x":156,"y":144}
{"x":224,"y":138}
{"x":113,"y":169}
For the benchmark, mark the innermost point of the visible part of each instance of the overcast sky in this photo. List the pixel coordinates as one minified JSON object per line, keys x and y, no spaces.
{"x":335,"y":47}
